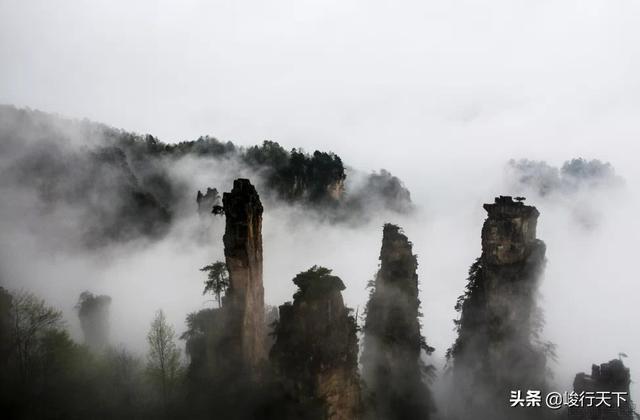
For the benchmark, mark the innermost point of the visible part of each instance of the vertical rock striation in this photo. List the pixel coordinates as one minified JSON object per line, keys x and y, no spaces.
{"x":498,"y":348}
{"x":227,"y":345}
{"x":606,"y":378}
{"x":391,"y":365}
{"x":316,"y":351}
{"x":244,"y":302}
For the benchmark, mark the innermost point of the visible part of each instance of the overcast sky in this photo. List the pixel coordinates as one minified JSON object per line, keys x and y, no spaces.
{"x":441,"y":93}
{"x":454,"y":78}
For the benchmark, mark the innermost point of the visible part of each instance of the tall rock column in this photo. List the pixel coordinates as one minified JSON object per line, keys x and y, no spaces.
{"x":316,"y":351}
{"x":93,"y":311}
{"x":498,"y":348}
{"x":243,"y":252}
{"x":596,"y":393}
{"x":391,"y":365}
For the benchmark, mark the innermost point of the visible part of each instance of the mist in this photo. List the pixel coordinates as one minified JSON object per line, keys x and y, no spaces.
{"x":585,"y":290}
{"x":441,"y":94}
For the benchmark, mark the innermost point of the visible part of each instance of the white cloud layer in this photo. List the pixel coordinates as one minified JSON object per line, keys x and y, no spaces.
{"x":441,"y":93}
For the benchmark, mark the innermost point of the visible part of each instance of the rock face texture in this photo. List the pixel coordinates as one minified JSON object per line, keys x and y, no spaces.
{"x":391,"y":365}
{"x":335,"y":191}
{"x":93,"y":311}
{"x":244,"y":302}
{"x":498,"y":348}
{"x":605,"y":378}
{"x":316,"y":351}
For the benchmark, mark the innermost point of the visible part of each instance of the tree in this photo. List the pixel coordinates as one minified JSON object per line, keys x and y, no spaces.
{"x":218,"y":280}
{"x":121,"y":377}
{"x":31,"y":319}
{"x":5,"y":327}
{"x":163,"y":359}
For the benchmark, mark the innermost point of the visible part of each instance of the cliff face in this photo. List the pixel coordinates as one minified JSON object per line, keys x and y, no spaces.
{"x":244,"y":301}
{"x":391,"y":364}
{"x":316,"y":351}
{"x":608,"y":377}
{"x":498,"y":347}
{"x":335,"y":191}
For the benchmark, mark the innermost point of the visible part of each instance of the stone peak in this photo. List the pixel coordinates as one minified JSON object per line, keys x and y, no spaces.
{"x":504,"y":207}
{"x":243,"y":184}
{"x":318,"y":281}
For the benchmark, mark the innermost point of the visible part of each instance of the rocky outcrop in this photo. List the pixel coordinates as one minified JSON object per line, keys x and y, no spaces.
{"x":244,"y":302}
{"x":605,"y":380}
{"x":498,"y":347}
{"x":207,"y":201}
{"x":315,"y":354}
{"x":93,"y":311}
{"x":227,"y":346}
{"x":335,"y":191}
{"x":392,"y":368}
